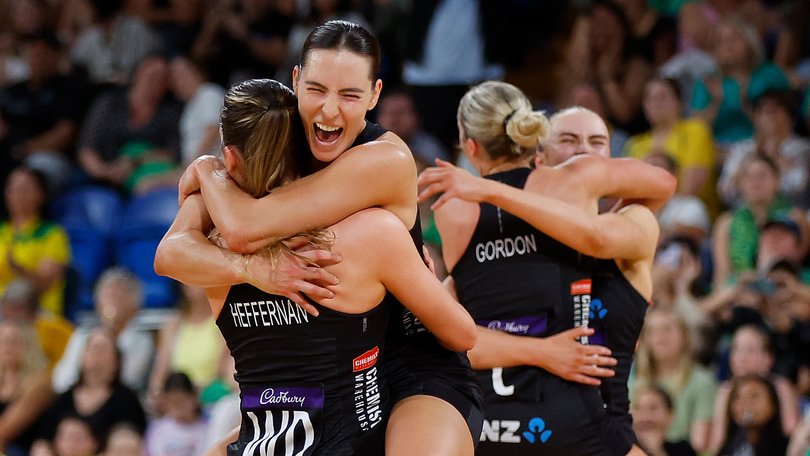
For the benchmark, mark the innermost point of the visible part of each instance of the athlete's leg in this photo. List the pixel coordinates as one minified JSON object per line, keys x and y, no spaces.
{"x":427,"y":426}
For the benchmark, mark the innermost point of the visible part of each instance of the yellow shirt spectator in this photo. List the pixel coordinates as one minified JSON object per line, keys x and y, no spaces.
{"x":690,"y":143}
{"x":53,"y":333}
{"x":29,"y":247}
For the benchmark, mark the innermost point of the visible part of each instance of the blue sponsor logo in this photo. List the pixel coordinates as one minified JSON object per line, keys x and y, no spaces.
{"x":537,"y":431}
{"x":598,"y":310}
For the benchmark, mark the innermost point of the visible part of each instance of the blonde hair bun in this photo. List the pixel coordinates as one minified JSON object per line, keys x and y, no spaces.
{"x":526,"y":128}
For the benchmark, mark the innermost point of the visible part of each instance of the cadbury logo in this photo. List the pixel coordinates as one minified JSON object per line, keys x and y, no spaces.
{"x":366,"y":360}
{"x":269,"y":396}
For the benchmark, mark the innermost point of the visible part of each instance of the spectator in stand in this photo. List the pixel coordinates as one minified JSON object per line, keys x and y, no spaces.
{"x":665,"y":359}
{"x":753,"y":416}
{"x":449,"y":48}
{"x":39,"y":116}
{"x":188,"y":342}
{"x":752,"y":355}
{"x":604,"y":55}
{"x":182,"y":430}
{"x":652,"y":414}
{"x":110,"y":50}
{"x":117,"y":301}
{"x":678,"y":286}
{"x":31,"y":247}
{"x":736,"y":233}
{"x":124,"y":440}
{"x":98,"y":397}
{"x":20,"y":304}
{"x":722,"y":99}
{"x":687,"y":141}
{"x":199,"y":122}
{"x":74,"y":437}
{"x":657,"y":35}
{"x":774,"y":118}
{"x":131,"y":134}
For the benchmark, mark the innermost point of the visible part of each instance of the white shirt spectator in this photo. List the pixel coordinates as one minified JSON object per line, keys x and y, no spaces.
{"x":199,"y":114}
{"x":137,"y":349}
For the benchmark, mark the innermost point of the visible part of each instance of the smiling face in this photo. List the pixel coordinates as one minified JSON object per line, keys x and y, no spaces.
{"x":576,"y":132}
{"x":334,"y":93}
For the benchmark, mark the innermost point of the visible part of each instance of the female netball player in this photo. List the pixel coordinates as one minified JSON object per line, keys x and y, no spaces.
{"x":434,"y":390}
{"x":504,"y":268}
{"x":309,"y":385}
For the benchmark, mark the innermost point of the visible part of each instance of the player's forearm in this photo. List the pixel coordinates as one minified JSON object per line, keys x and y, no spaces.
{"x":189,"y":257}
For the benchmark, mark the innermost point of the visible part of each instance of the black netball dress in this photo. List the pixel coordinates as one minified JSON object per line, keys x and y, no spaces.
{"x":515,"y":279}
{"x":617,"y":315}
{"x":308,"y":385}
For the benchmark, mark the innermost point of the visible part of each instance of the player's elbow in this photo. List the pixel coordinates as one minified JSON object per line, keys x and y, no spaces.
{"x":597,"y":242}
{"x":163,"y":256}
{"x":465,"y":338}
{"x":234,"y":237}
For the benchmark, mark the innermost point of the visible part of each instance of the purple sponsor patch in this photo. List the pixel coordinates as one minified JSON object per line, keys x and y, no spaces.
{"x":282,"y":397}
{"x":525,"y":326}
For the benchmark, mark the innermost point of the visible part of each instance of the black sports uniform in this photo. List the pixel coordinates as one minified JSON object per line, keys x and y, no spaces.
{"x":308,"y":385}
{"x":416,"y":364}
{"x":515,"y":279}
{"x":617,"y":315}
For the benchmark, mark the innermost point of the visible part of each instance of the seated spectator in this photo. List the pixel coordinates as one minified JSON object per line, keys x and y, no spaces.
{"x":130,"y":134}
{"x":774,"y":117}
{"x":736,"y":233}
{"x":20,"y":304}
{"x":181,"y":431}
{"x":720,"y":99}
{"x":74,"y":437}
{"x":687,"y":141}
{"x":752,"y":355}
{"x":664,"y":359}
{"x":30,"y":247}
{"x":41,"y":114}
{"x":188,"y":342}
{"x":111,"y":49}
{"x":98,"y":397}
{"x":683,"y":215}
{"x":117,"y":300}
{"x":652,"y":414}
{"x":753,"y":417}
{"x":124,"y":440}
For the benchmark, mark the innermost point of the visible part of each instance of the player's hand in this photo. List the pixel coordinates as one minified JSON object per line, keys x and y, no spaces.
{"x":190,"y":181}
{"x":295,"y":276}
{"x":451,"y":181}
{"x":565,"y":357}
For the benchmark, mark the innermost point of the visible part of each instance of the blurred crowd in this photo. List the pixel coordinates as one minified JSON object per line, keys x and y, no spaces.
{"x":104,"y":102}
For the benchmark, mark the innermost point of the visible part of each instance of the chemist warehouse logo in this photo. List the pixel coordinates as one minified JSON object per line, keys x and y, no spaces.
{"x":508,"y":431}
{"x":367,"y":399}
{"x":366,"y":360}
